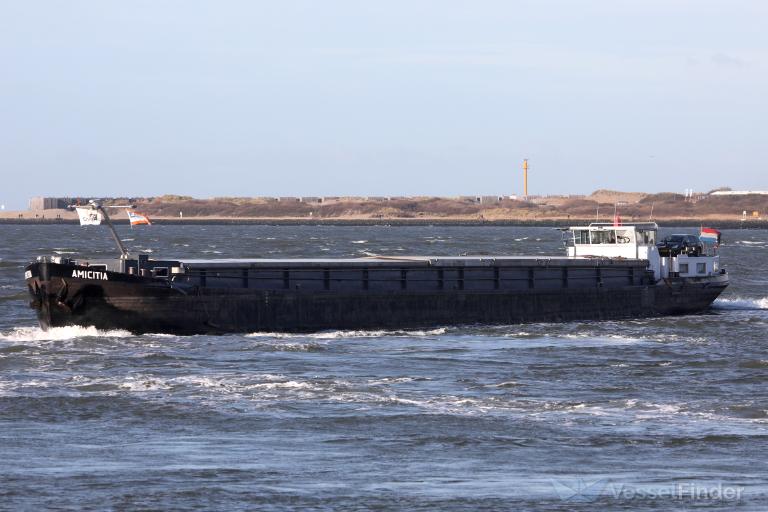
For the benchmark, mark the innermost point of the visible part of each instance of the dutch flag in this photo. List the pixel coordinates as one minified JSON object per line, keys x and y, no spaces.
{"x":710,"y":235}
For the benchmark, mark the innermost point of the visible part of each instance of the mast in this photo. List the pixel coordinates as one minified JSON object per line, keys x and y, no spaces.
{"x":123,"y":251}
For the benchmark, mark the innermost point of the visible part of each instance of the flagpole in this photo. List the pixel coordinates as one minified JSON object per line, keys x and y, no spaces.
{"x":123,"y":250}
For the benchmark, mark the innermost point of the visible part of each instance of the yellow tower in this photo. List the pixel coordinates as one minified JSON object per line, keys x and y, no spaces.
{"x":525,"y":178}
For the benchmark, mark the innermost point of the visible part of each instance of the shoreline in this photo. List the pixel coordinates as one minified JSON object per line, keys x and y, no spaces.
{"x":245,"y":221}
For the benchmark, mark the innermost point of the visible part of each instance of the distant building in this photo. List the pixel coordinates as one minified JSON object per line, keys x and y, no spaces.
{"x":289,"y":199}
{"x":311,"y":199}
{"x":490,"y":199}
{"x":739,"y":192}
{"x":49,"y":203}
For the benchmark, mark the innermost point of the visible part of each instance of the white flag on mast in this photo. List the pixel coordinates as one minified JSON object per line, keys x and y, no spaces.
{"x":88,"y":217}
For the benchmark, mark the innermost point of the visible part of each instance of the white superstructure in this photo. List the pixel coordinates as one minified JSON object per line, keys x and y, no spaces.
{"x":637,"y":241}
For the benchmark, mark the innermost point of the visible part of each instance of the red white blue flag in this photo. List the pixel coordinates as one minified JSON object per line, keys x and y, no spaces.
{"x":137,"y":218}
{"x":710,"y":235}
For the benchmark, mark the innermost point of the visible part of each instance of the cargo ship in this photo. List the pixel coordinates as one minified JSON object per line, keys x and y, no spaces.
{"x":608,"y":271}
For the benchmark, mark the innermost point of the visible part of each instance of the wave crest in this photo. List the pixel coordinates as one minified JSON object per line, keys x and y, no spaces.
{"x":740,"y":303}
{"x":22,"y":334}
{"x":325,"y":335}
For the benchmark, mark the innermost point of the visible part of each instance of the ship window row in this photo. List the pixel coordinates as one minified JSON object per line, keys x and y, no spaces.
{"x":701,"y":268}
{"x":435,"y":279}
{"x":606,"y":236}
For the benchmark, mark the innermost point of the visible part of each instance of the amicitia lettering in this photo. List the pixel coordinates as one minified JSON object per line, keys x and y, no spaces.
{"x":90,"y":274}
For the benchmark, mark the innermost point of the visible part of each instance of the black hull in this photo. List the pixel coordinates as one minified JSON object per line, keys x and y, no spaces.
{"x":144,"y":305}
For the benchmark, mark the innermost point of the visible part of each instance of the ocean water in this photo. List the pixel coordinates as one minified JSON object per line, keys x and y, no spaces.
{"x":654,"y":414}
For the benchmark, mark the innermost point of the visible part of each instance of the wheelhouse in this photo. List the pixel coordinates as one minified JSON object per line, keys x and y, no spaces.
{"x":608,"y":240}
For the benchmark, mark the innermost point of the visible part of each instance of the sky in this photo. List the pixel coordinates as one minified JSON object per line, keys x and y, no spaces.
{"x":415,"y":97}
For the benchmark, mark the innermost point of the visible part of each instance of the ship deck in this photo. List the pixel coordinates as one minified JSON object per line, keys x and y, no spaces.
{"x":406,"y":261}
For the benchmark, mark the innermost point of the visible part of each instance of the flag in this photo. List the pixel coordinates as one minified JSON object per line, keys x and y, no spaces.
{"x":617,"y":220}
{"x":710,"y":235}
{"x":137,"y":218}
{"x":88,"y":217}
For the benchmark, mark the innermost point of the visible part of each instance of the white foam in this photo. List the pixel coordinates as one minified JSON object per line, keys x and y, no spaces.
{"x":391,"y":380}
{"x":326,"y":335}
{"x":22,"y":334}
{"x":637,"y":409}
{"x":144,"y":383}
{"x":291,"y":384}
{"x":740,"y":303}
{"x":589,"y":339}
{"x":278,"y":335}
{"x":359,"y":241}
{"x":272,"y":377}
{"x":376,"y":334}
{"x":220,"y":384}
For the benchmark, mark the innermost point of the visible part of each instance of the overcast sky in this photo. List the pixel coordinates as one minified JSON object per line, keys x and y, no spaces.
{"x":243,"y":98}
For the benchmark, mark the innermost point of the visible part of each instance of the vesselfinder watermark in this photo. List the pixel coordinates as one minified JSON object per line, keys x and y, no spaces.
{"x":583,"y":490}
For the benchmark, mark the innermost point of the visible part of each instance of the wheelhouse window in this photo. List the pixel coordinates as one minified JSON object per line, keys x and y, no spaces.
{"x":683,"y":268}
{"x":647,"y":237}
{"x":604,"y":237}
{"x":581,"y":237}
{"x":160,"y":271}
{"x":701,"y":268}
{"x":623,"y":236}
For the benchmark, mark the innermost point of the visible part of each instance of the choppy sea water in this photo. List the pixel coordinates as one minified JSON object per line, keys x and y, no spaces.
{"x":655,"y":414}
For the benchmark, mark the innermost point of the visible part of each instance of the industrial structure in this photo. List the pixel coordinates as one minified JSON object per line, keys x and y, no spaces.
{"x":739,"y":193}
{"x":49,"y":203}
{"x":525,"y":178}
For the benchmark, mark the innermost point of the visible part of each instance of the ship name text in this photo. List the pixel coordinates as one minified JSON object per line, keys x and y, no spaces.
{"x":90,"y":274}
